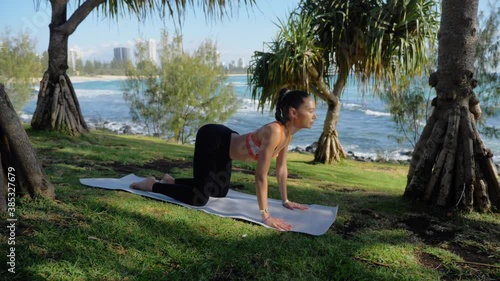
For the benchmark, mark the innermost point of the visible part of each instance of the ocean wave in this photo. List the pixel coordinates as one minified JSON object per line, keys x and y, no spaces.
{"x":496,"y":159}
{"x":25,"y":117}
{"x":350,"y":147}
{"x":250,"y":105}
{"x":237,"y":84}
{"x":80,"y":93}
{"x":362,"y":108}
{"x":376,"y":113}
{"x":353,"y":106}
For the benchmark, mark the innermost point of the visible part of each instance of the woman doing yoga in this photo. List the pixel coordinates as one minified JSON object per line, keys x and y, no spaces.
{"x":216,"y":146}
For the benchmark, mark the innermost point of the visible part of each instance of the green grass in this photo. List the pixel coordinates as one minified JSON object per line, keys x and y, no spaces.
{"x":94,"y":234}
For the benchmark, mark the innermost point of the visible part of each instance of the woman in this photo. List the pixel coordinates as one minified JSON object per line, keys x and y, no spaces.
{"x":216,"y":146}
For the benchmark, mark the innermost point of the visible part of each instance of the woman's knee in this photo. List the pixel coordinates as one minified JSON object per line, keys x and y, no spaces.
{"x":199,"y":199}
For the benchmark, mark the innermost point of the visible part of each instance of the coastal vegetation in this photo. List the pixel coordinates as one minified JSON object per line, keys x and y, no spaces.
{"x":185,"y":91}
{"x":323,"y":42}
{"x":18,"y":65}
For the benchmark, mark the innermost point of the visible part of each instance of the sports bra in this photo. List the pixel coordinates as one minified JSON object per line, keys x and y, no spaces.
{"x":253,"y":146}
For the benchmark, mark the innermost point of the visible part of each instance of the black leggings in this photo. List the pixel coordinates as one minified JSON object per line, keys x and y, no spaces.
{"x":211,"y":168}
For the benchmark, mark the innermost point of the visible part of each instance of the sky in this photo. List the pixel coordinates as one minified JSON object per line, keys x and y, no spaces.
{"x":237,"y":37}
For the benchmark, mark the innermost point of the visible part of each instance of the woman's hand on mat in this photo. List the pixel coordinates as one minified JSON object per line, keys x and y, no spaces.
{"x":292,"y":205}
{"x":278,"y":223}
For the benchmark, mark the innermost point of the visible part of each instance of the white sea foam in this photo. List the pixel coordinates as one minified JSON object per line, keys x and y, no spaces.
{"x":350,"y":147}
{"x":352,"y":106}
{"x":80,"y":93}
{"x":364,"y":109}
{"x":25,"y":118}
{"x":376,"y":113}
{"x":250,"y":105}
{"x":237,"y":84}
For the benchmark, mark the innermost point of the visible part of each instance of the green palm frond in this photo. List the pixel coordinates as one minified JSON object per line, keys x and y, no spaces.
{"x":286,"y":63}
{"x":376,"y":40}
{"x":173,"y":8}
{"x":402,"y":33}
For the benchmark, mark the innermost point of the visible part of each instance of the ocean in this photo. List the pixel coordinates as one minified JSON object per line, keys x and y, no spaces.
{"x":364,"y":128}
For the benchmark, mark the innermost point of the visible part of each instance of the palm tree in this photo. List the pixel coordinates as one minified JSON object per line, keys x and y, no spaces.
{"x":451,"y":166}
{"x":375,"y":40}
{"x":57,"y":106}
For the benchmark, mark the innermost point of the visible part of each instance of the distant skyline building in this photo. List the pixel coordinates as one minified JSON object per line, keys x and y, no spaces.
{"x":235,"y":65}
{"x":241,"y":63}
{"x":122,"y":54}
{"x":151,"y":50}
{"x":219,"y":62}
{"x":73,"y":56}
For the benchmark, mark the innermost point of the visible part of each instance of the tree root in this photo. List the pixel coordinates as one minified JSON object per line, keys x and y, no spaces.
{"x":454,"y":168}
{"x":58,"y":108}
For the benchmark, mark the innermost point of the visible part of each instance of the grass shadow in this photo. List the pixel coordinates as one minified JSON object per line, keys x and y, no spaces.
{"x":102,"y":235}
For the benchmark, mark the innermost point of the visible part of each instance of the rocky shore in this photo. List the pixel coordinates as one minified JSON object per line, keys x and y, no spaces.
{"x":351,"y":155}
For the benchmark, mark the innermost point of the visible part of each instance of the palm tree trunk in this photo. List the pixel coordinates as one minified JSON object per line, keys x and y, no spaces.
{"x":21,"y":173}
{"x":451,"y":166}
{"x":57,"y":107}
{"x":329,"y":148}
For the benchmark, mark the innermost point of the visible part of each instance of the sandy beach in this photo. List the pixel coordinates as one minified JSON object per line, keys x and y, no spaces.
{"x":78,"y":78}
{"x":112,"y":77}
{"x":97,"y":78}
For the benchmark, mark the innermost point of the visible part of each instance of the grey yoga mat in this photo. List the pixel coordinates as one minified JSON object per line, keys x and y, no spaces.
{"x":314,"y":221}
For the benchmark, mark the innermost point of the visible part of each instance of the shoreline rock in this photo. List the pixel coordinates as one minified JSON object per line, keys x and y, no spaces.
{"x":350,"y":154}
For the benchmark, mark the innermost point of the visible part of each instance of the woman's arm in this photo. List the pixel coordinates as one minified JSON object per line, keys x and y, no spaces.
{"x":269,"y":141}
{"x":266,"y":149}
{"x":282,"y":172}
{"x":282,"y":176}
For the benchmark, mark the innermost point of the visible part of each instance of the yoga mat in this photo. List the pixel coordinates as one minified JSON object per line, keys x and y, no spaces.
{"x":314,"y":221}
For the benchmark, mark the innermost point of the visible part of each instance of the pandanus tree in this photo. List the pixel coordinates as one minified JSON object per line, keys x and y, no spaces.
{"x":57,"y":107}
{"x":451,"y":166}
{"x":20,"y":170}
{"x":375,"y":40}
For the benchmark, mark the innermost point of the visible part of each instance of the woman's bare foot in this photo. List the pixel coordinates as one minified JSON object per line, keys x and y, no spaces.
{"x":167,"y":179}
{"x":145,"y":185}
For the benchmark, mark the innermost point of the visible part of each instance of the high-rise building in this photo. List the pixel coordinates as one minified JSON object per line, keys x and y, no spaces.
{"x":73,"y":55}
{"x":241,"y":63}
{"x":151,"y":50}
{"x":122,"y":54}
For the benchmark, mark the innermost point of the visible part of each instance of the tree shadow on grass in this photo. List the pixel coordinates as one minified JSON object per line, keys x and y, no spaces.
{"x":213,"y":254}
{"x":94,"y":237}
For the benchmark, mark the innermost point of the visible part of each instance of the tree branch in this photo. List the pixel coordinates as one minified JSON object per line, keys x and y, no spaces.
{"x":322,"y":89}
{"x":79,"y":15}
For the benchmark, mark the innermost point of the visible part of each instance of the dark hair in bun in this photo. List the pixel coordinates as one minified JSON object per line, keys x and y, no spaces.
{"x":288,"y":99}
